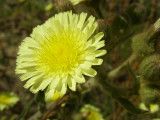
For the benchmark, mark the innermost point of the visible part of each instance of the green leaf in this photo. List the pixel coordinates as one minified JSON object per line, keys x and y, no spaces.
{"x":132,"y":73}
{"x":25,"y":110}
{"x":113,"y":90}
{"x":128,"y":105}
{"x":135,"y":79}
{"x":117,"y":94}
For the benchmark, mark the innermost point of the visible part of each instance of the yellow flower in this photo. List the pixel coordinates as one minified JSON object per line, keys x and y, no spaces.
{"x":59,"y":52}
{"x":75,"y":2}
{"x":92,"y":113}
{"x":7,"y":100}
{"x":152,"y":107}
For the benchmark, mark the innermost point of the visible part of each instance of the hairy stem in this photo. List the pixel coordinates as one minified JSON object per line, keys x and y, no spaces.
{"x":115,"y":72}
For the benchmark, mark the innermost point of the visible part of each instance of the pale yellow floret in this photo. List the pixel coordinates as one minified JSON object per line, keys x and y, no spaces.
{"x":92,"y":113}
{"x":59,"y":52}
{"x":7,"y":100}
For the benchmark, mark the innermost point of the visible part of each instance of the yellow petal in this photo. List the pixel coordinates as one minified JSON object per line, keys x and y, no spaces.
{"x":72,"y":84}
{"x":31,"y":81}
{"x":97,"y":61}
{"x":28,"y":75}
{"x":81,"y":21}
{"x":99,"y":53}
{"x":100,"y":44}
{"x":89,"y":72}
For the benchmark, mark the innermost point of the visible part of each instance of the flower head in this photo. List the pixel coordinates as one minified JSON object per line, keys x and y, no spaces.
{"x":7,"y":100}
{"x":92,"y":113}
{"x":59,"y":53}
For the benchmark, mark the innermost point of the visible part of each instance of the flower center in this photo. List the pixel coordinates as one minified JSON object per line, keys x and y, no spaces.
{"x":61,"y":52}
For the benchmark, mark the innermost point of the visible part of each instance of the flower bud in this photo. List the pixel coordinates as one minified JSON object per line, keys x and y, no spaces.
{"x":148,"y":94}
{"x":149,"y":69}
{"x":141,"y":44}
{"x":63,"y":5}
{"x":137,"y":13}
{"x":91,"y":112}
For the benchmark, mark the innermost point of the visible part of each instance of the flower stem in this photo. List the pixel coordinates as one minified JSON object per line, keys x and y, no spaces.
{"x":115,"y":72}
